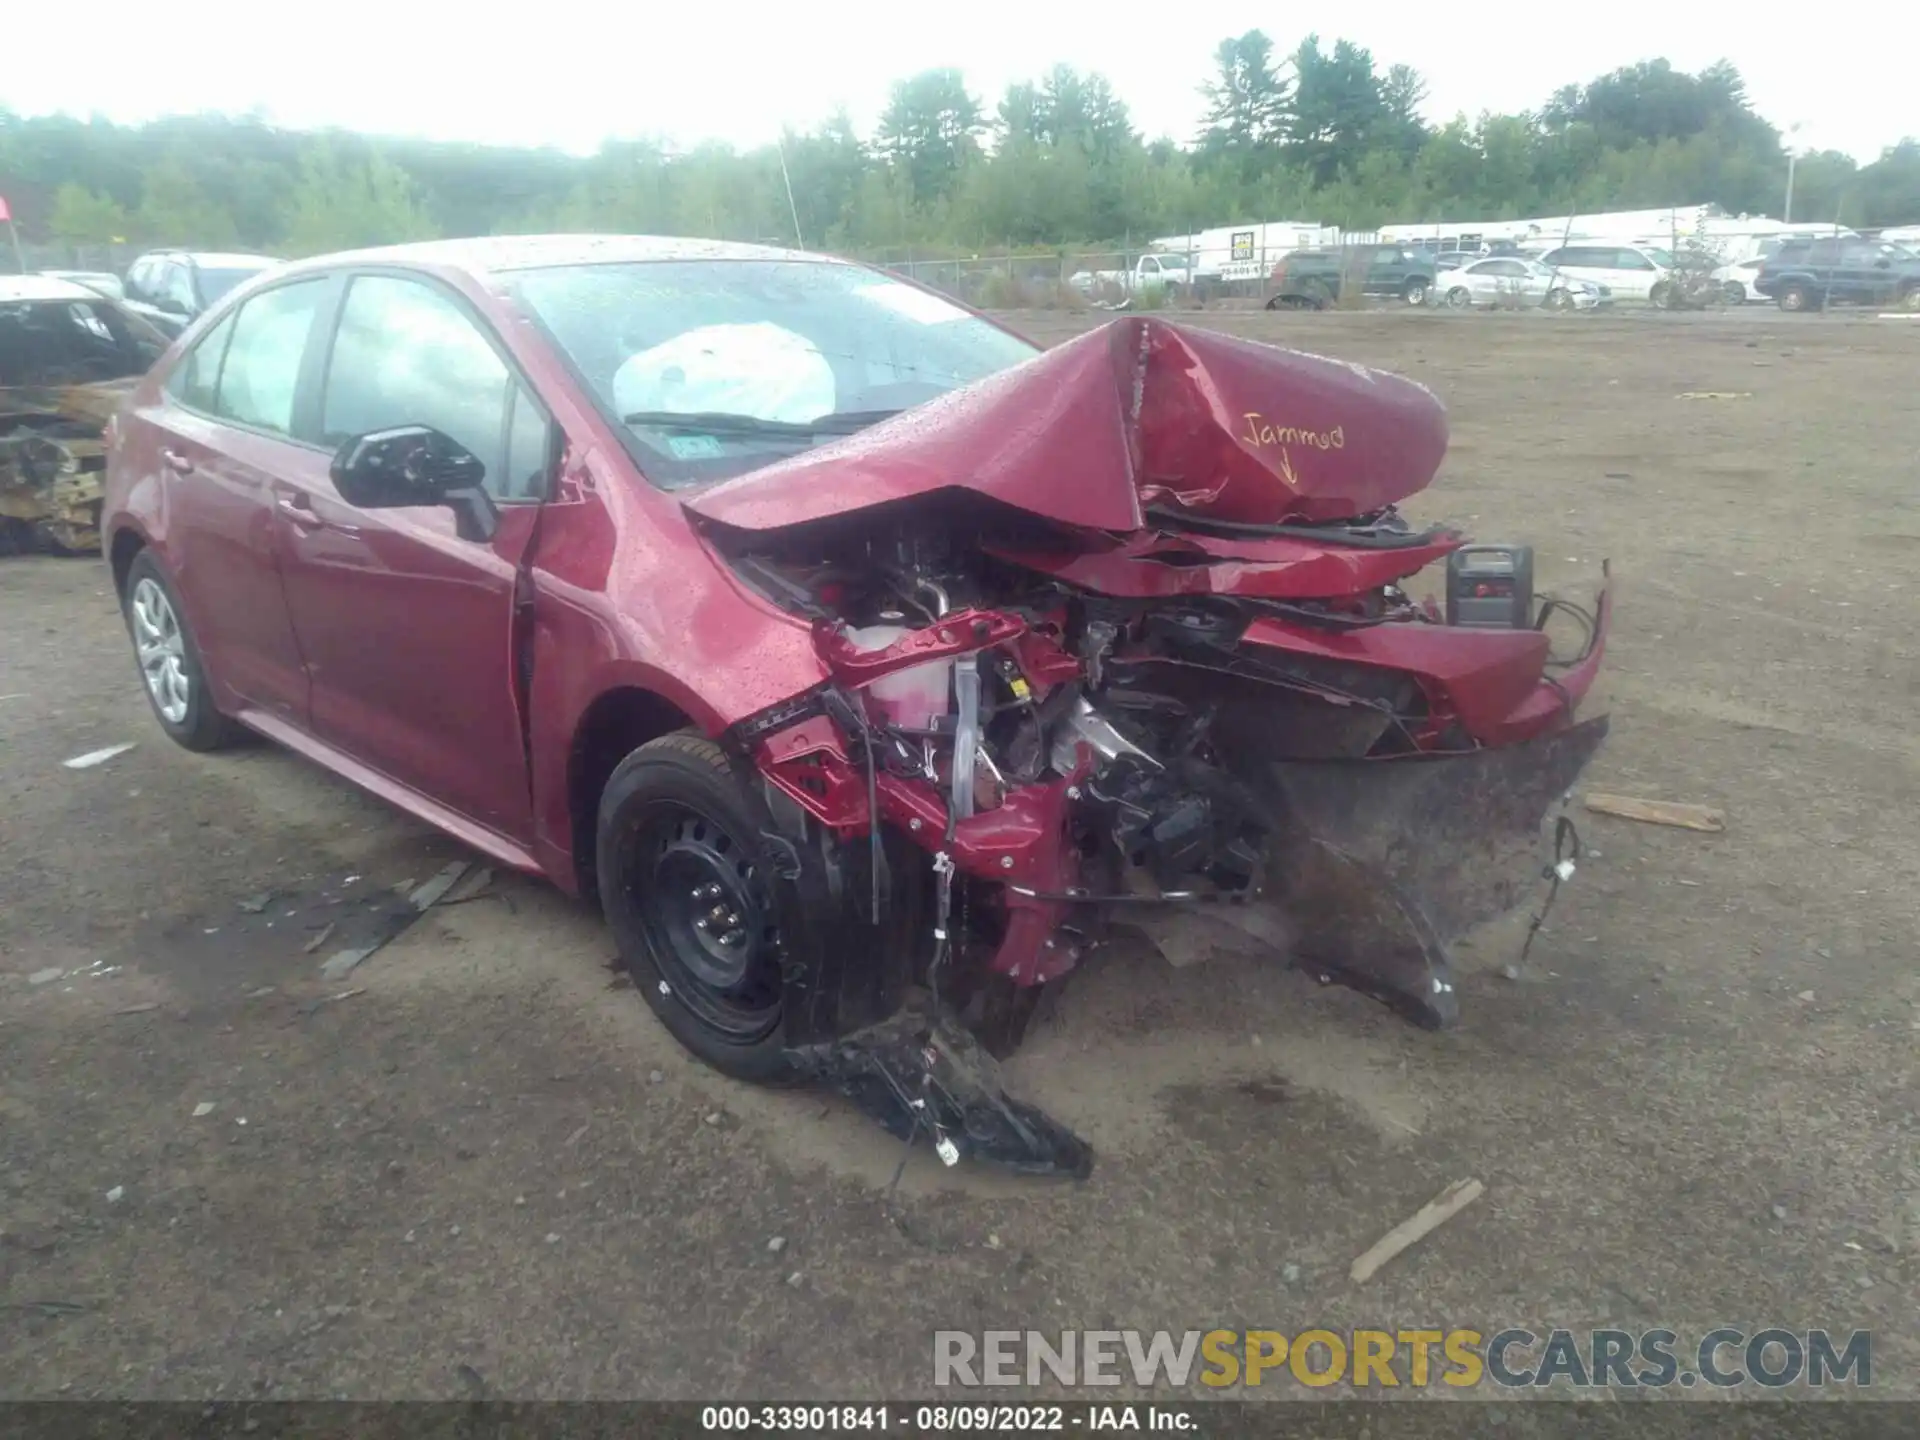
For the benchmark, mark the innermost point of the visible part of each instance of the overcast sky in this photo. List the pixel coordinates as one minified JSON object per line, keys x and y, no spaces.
{"x":571,"y":73}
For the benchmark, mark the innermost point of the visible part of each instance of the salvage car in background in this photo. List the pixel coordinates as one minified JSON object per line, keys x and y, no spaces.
{"x":68,"y":356}
{"x":1736,"y":279}
{"x":863,"y":660}
{"x":171,"y":288}
{"x":1812,"y":274}
{"x":1315,"y":279}
{"x":1509,"y":280}
{"x":1630,"y":272}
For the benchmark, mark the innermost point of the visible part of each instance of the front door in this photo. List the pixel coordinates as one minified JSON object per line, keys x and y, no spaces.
{"x":406,"y":627}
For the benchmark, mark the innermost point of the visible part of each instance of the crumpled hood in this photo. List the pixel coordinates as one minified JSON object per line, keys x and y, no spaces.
{"x":1137,"y":414}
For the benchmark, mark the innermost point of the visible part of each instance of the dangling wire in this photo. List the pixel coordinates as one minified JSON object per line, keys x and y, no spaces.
{"x":1560,"y":869}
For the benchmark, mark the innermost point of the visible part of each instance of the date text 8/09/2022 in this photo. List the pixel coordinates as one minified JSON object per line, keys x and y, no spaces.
{"x":938,"y":1419}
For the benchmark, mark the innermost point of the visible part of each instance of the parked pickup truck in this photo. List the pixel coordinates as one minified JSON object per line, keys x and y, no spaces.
{"x":1148,"y":274}
{"x":1811,"y":274}
{"x":1311,"y":279}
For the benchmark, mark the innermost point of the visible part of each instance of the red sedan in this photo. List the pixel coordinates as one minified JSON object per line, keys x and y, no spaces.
{"x":860,"y":658}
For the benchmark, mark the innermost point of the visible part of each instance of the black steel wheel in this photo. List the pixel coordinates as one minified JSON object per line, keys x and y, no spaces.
{"x":688,"y":892}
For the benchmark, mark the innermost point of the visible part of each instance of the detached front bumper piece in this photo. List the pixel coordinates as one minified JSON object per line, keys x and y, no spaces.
{"x":1388,"y":861}
{"x":919,"y":1075}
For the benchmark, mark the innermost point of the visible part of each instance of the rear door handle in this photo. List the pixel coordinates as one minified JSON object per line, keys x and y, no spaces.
{"x":176,"y":462}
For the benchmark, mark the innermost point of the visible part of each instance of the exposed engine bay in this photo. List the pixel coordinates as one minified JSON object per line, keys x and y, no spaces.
{"x":1213,"y":729}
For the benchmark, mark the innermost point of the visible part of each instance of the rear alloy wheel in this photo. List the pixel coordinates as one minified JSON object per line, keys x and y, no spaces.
{"x":170,"y":662}
{"x":687,"y":890}
{"x":1661,"y":296}
{"x":1416,"y":292}
{"x":1910,"y":298}
{"x":1459,"y":298}
{"x":1736,"y":293}
{"x":1795,"y":298}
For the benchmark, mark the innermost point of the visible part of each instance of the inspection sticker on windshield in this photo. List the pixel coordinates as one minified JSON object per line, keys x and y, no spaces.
{"x":694,"y":447}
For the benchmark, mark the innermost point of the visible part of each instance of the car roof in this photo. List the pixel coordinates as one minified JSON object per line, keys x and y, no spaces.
{"x":494,"y":254}
{"x":225,"y":258}
{"x":43,"y":287}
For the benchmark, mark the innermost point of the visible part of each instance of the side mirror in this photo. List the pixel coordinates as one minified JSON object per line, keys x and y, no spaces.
{"x":416,"y":465}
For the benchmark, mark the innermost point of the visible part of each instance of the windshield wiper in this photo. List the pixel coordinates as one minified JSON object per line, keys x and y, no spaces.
{"x":720,"y":422}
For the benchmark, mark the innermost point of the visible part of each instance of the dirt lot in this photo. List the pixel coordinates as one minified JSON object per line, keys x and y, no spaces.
{"x":487,"y":1170}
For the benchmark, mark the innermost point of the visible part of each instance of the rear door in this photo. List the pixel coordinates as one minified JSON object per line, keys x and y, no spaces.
{"x":1865,"y":274}
{"x":406,"y":627}
{"x":219,"y":438}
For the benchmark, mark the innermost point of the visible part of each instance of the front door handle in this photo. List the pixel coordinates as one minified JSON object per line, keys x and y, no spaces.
{"x":176,"y":462}
{"x":299,"y":510}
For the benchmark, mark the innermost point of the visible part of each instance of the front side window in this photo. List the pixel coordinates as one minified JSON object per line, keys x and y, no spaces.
{"x":262,"y":367}
{"x":195,"y":381}
{"x":176,"y":288}
{"x":764,"y":357}
{"x":407,"y":353}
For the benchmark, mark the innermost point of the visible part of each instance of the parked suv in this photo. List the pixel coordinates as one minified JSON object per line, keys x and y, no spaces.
{"x":171,"y":287}
{"x":1311,"y":279}
{"x":1811,"y":274}
{"x":1631,"y":272}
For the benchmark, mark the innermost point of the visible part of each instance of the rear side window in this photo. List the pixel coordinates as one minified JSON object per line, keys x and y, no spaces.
{"x":407,"y":354}
{"x":262,"y":366}
{"x":195,"y":380}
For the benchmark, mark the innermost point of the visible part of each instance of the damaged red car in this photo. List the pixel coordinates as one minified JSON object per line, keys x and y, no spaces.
{"x":866,"y":663}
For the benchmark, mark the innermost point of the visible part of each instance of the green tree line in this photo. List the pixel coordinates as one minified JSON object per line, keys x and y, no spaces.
{"x":1322,"y":133}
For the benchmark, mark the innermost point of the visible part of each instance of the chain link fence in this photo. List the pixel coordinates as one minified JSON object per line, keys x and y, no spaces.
{"x":1126,"y":277}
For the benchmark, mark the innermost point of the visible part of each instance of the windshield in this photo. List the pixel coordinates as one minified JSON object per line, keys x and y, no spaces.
{"x":215,"y":282}
{"x":69,"y":342}
{"x":784,"y":342}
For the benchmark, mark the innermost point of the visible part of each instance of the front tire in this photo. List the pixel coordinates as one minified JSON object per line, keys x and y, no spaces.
{"x":169,"y":661}
{"x":1459,"y":298}
{"x":1560,"y":299}
{"x":1415,"y":292}
{"x":687,"y":887}
{"x":1736,"y":293}
{"x":1795,"y":298}
{"x":1661,"y":296}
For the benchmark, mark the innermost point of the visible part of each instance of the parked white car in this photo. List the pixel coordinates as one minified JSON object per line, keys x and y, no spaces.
{"x":1508,"y":278}
{"x":1630,"y":272}
{"x":1736,"y":280}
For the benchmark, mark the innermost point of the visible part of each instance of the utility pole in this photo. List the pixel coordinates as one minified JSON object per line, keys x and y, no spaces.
{"x":1793,"y":154}
{"x":780,"y":141}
